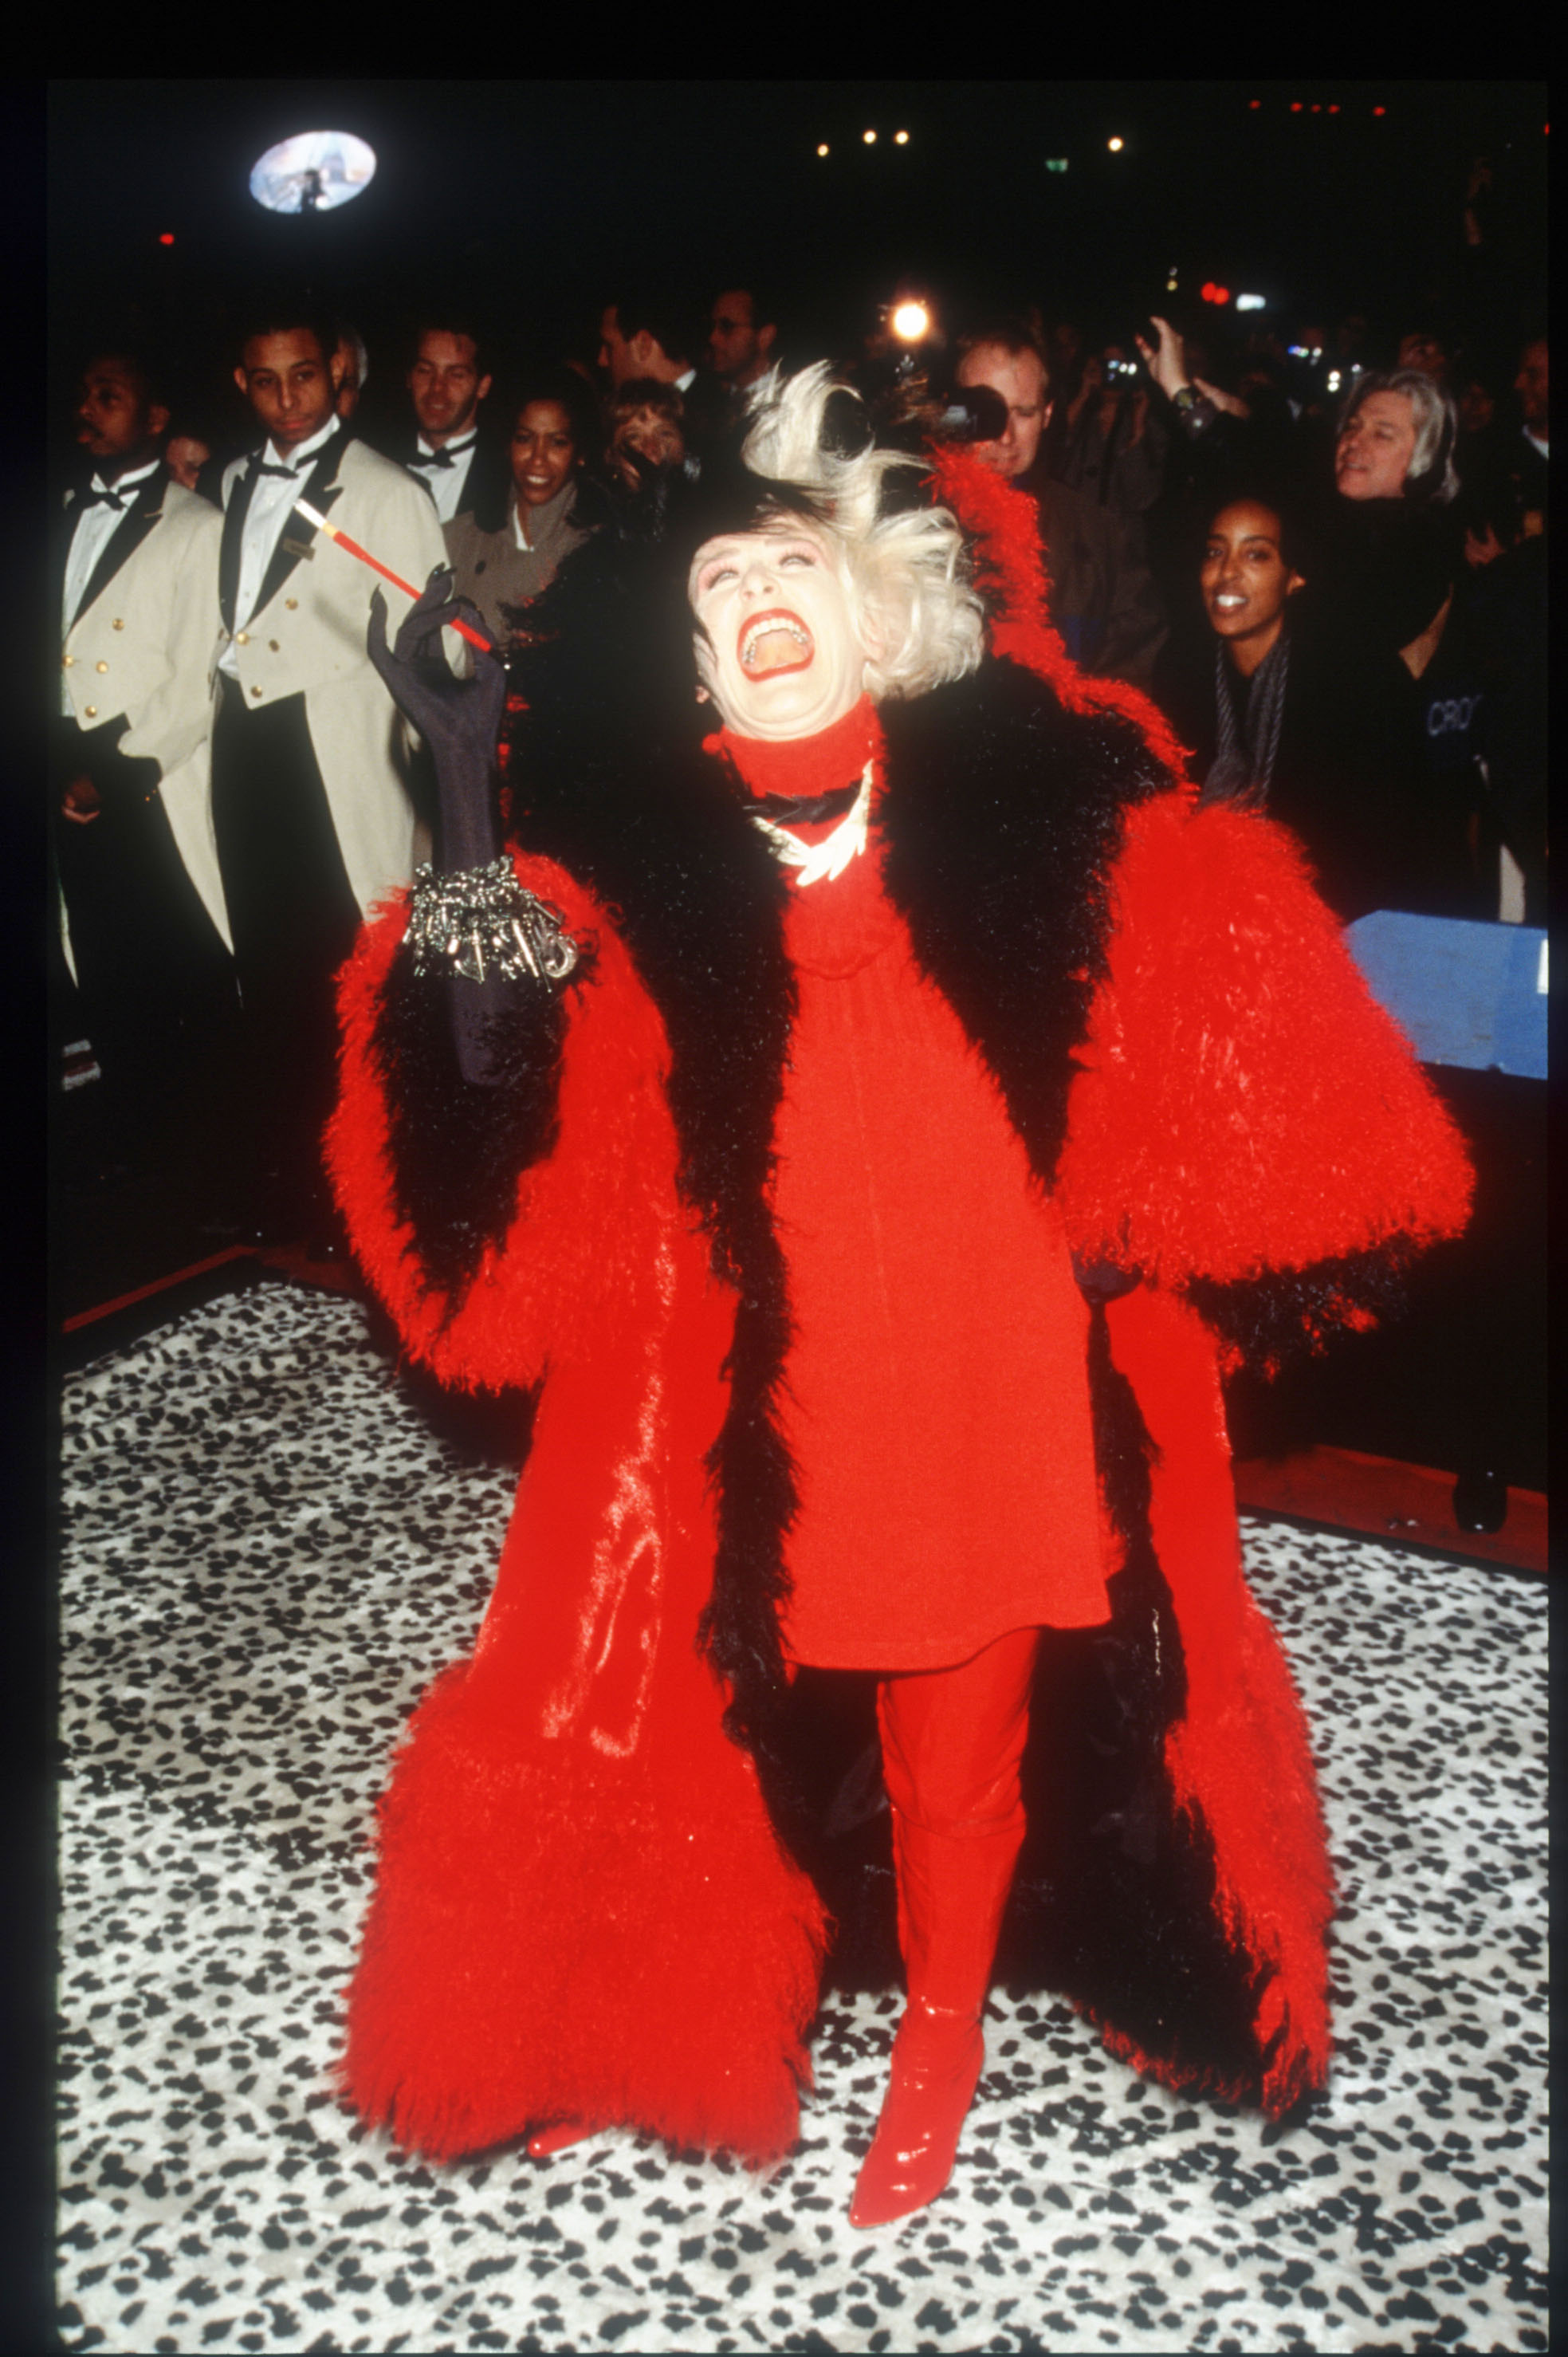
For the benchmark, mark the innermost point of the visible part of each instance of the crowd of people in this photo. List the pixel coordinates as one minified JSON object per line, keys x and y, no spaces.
{"x":1324,"y":562}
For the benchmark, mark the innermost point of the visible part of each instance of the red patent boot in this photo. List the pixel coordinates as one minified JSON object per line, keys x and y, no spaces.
{"x":937,"y":2060}
{"x":556,"y":2139}
{"x":951,"y":1891}
{"x":952,"y":1741}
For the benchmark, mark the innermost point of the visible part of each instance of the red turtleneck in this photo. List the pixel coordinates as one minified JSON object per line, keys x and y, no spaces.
{"x":802,"y":766}
{"x":936,"y":1407}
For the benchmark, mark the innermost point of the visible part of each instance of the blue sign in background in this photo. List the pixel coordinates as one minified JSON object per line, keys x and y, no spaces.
{"x":1463,"y":992}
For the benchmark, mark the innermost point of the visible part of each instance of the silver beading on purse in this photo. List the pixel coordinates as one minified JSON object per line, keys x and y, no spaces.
{"x":481,"y":919}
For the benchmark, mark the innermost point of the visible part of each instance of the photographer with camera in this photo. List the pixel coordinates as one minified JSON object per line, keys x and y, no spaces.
{"x":1103,"y":599}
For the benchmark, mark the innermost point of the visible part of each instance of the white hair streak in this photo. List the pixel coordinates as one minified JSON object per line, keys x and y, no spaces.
{"x":907,"y":573}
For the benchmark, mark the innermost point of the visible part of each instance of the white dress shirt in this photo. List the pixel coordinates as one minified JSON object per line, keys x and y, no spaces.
{"x":444,"y":484}
{"x":272,"y":504}
{"x":95,"y":527}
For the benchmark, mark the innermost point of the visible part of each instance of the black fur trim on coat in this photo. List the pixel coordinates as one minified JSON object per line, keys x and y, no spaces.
{"x":1115,"y":1898}
{"x":1279,"y":1316}
{"x":458,"y":1149}
{"x":1003,"y":820}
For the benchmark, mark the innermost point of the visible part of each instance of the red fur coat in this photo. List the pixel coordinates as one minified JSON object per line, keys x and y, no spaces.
{"x":582,"y":1908}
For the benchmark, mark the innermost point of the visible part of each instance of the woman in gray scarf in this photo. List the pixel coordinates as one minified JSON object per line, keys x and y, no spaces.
{"x":1248,"y":581}
{"x":1288,"y":709}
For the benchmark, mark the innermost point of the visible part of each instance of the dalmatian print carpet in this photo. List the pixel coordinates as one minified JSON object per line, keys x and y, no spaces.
{"x":270,"y":1551}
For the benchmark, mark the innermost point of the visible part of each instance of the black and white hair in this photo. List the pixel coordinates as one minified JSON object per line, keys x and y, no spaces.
{"x":1431,"y":472}
{"x":906,"y":571}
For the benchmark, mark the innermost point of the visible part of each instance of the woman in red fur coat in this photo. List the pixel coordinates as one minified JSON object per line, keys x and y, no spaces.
{"x":871,"y":1123}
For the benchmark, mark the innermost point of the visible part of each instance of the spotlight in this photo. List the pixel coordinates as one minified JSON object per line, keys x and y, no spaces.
{"x":910,"y":321}
{"x":900,"y":139}
{"x":823,"y":147}
{"x":313,"y":172}
{"x":1115,"y":145}
{"x":869,"y":137}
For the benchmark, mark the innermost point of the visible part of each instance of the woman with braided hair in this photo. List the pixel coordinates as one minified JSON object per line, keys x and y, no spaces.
{"x":869,"y":1121}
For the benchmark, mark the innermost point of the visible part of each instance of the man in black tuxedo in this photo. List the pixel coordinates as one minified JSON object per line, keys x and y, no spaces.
{"x":145,"y":929}
{"x":445,"y":448}
{"x":310,"y":802}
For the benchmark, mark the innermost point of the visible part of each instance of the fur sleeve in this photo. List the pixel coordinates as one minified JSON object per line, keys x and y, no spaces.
{"x":1247,"y":1124}
{"x":496,"y":1223}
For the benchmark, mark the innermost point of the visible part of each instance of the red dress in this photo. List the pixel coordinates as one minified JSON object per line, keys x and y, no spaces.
{"x":938,"y":1405}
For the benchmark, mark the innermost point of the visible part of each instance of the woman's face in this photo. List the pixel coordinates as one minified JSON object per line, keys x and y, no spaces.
{"x":776,"y":640}
{"x":543,"y":452}
{"x":656,"y":436}
{"x":1245,"y":580}
{"x":1372,"y":456}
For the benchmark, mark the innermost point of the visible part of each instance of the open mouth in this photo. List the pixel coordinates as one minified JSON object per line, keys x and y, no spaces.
{"x":774,"y":642}
{"x":1225,"y":601}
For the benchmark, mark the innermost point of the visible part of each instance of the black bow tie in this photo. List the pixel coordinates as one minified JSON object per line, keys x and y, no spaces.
{"x":442,"y":458}
{"x":289,"y":474}
{"x":103,"y":499}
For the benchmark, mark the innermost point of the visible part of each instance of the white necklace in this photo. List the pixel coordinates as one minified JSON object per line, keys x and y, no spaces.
{"x":831,"y":856}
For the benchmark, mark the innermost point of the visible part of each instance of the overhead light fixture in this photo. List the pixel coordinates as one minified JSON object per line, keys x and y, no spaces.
{"x":1115,"y":145}
{"x":821,"y":147}
{"x":1252,"y":303}
{"x":313,"y":172}
{"x":869,"y":137}
{"x":900,"y":139}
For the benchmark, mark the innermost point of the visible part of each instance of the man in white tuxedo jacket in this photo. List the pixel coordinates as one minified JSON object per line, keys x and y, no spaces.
{"x":133,"y":569}
{"x":310,"y":801}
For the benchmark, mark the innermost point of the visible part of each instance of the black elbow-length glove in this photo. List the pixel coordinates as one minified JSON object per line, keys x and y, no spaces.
{"x":472,"y":926}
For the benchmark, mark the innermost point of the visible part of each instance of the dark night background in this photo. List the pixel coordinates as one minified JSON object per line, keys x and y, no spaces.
{"x":531,"y":200}
{"x":533,"y":196}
